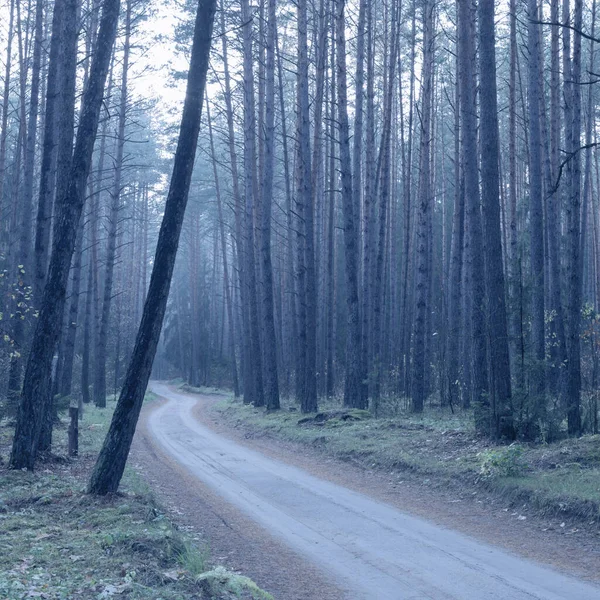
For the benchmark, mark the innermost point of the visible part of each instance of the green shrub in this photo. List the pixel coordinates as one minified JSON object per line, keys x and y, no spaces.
{"x":502,"y":462}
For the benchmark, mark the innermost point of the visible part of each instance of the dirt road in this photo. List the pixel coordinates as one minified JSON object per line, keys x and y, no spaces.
{"x":367,"y":548}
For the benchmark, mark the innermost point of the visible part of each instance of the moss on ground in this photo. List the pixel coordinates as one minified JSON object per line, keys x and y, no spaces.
{"x":560,"y":479}
{"x":57,"y":542}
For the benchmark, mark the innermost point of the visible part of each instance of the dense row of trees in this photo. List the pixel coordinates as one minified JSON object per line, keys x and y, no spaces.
{"x":395,"y":203}
{"x":66,"y":75}
{"x":417,"y":222}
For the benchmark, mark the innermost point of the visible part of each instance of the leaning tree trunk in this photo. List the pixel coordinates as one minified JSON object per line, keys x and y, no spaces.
{"x":113,"y":456}
{"x":43,"y":345}
{"x":65,"y":123}
{"x":65,"y":384}
{"x":48,"y":159}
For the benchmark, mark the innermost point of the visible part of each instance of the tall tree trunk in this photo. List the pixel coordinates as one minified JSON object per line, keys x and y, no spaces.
{"x":456,"y":264}
{"x":247,"y":372}
{"x":574,"y":235}
{"x":535,"y":203}
{"x":383,"y":188}
{"x":306,"y":267}
{"x":271,"y":378}
{"x":5,"y":100}
{"x":115,"y":203}
{"x":24,"y":276}
{"x":256,"y":393}
{"x":229,"y":300}
{"x":425,"y":207}
{"x":333,"y":186}
{"x":65,"y":124}
{"x":49,"y":153}
{"x":499,"y":419}
{"x":473,"y":227}
{"x":39,"y":364}
{"x":354,"y":367}
{"x":556,"y":325}
{"x":110,"y":465}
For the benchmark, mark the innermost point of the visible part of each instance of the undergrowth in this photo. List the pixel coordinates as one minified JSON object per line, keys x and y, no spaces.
{"x":560,"y":479}
{"x":59,"y":543}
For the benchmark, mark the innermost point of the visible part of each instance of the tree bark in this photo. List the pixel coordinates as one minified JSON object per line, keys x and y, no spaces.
{"x":535,"y":205}
{"x":499,"y":420}
{"x":110,"y":465}
{"x":115,"y":197}
{"x":425,"y":207}
{"x":354,"y":367}
{"x":270,"y":370}
{"x":39,"y":365}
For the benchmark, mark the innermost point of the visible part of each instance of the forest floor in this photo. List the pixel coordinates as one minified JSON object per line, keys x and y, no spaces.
{"x":539,"y":501}
{"x":59,"y":543}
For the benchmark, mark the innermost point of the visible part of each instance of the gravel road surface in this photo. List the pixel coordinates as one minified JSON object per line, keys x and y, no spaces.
{"x":368,"y":549}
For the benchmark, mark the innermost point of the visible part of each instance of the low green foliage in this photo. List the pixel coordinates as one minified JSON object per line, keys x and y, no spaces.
{"x":502,"y":462}
{"x":221,"y":579}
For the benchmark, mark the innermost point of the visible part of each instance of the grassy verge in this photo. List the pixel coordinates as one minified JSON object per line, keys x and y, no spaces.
{"x":57,"y":542}
{"x":440,"y":448}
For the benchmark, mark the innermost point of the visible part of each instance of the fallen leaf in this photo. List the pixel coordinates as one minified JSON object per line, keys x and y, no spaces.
{"x":174,"y":574}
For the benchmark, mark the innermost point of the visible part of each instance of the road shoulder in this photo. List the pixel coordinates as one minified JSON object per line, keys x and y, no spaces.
{"x":572,"y":551}
{"x":235,"y":540}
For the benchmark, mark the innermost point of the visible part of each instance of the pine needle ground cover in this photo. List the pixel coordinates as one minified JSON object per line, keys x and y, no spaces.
{"x":57,"y":542}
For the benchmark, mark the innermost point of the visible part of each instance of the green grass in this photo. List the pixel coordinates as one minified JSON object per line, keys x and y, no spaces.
{"x":211,"y":391}
{"x":561,"y":479}
{"x":57,"y":542}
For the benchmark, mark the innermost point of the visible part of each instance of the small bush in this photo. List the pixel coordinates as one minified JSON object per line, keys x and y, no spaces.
{"x":220,"y":580}
{"x":502,"y":462}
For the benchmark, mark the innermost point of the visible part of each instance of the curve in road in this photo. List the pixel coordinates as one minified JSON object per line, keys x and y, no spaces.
{"x":371,"y":550}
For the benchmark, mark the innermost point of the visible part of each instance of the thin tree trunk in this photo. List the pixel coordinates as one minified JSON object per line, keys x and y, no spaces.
{"x":24,"y":276}
{"x":234,"y":372}
{"x":256,"y":393}
{"x":425,"y":207}
{"x":354,"y":367}
{"x":271,"y":378}
{"x":473,"y":227}
{"x":100,"y":354}
{"x":574,"y":236}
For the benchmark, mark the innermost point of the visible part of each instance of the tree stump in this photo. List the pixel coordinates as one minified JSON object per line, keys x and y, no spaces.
{"x":74,"y":431}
